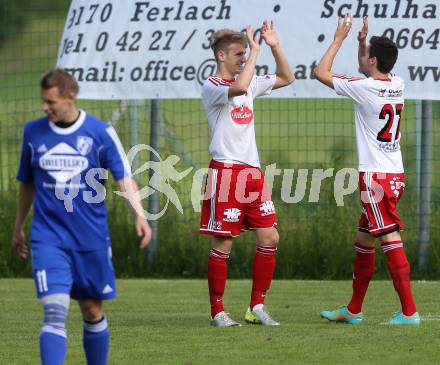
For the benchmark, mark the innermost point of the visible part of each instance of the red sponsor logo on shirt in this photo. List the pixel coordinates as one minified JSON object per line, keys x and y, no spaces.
{"x":242,"y":115}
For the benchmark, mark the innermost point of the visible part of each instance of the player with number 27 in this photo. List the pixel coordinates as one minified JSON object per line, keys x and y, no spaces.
{"x":379,"y":102}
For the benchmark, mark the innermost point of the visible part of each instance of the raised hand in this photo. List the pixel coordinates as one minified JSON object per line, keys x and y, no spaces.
{"x":344,"y":26}
{"x":253,"y":43}
{"x":269,"y":34}
{"x":362,"y":35}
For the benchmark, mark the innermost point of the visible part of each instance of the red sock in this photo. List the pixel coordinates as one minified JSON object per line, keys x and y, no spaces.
{"x":399,"y":269}
{"x":363,"y":270}
{"x":217,"y":272}
{"x":264,"y":265}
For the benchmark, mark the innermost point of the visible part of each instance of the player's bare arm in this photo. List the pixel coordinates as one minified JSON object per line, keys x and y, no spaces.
{"x":363,"y":47}
{"x":241,"y":84}
{"x":25,"y":200}
{"x":283,"y":71}
{"x":323,"y":72}
{"x":128,"y":185}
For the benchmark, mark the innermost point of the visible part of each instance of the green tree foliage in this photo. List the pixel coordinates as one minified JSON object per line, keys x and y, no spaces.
{"x":14,"y":14}
{"x":12,"y":18}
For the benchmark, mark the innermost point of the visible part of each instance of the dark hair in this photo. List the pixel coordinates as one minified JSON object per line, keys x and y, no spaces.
{"x":224,"y":37}
{"x":61,"y":79}
{"x":385,"y":51}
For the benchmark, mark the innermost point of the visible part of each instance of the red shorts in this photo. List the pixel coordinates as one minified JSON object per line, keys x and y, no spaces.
{"x":236,"y":199}
{"x":380,"y":193}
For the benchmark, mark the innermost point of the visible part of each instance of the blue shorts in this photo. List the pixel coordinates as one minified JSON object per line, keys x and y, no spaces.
{"x":81,"y":274}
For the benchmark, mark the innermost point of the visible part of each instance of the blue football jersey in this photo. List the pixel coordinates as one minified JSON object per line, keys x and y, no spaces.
{"x":68,"y":168}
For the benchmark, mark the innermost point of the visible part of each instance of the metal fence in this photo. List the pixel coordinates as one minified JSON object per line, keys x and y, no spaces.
{"x":309,"y":134}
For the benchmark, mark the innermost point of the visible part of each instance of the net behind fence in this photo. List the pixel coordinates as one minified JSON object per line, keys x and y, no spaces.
{"x":303,"y":137}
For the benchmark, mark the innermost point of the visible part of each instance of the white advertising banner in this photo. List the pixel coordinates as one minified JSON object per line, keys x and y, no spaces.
{"x":132,"y":49}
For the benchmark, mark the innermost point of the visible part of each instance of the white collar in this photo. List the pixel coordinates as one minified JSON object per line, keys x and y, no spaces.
{"x":73,"y":128}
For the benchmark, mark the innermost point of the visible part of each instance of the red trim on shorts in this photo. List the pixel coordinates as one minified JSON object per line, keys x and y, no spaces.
{"x":215,"y":233}
{"x":381,"y":232}
{"x":275,"y":225}
{"x":235,"y":166}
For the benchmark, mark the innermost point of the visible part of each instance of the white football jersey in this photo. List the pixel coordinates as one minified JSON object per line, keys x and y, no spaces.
{"x":378,"y":112}
{"x":231,"y":120}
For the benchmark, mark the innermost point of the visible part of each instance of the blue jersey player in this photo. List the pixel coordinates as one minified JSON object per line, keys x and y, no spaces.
{"x":64,"y":162}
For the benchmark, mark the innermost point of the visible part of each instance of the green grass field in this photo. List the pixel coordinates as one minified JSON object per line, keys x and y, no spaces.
{"x":166,"y":322}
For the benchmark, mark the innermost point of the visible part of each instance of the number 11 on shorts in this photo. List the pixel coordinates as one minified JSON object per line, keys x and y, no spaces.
{"x":42,"y":281}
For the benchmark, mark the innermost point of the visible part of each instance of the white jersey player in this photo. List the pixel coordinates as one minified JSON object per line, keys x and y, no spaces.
{"x":236,"y":196}
{"x":233,"y":142}
{"x":379,"y":100}
{"x":378,"y":109}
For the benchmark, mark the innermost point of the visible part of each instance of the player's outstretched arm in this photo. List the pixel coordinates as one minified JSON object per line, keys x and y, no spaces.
{"x":240,"y":86}
{"x":362,"y":39}
{"x":283,"y":71}
{"x":25,"y":200}
{"x":323,"y":72}
{"x":128,"y":186}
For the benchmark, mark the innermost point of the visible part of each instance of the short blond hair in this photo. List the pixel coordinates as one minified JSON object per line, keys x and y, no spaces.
{"x":222,"y":38}
{"x":59,"y":78}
